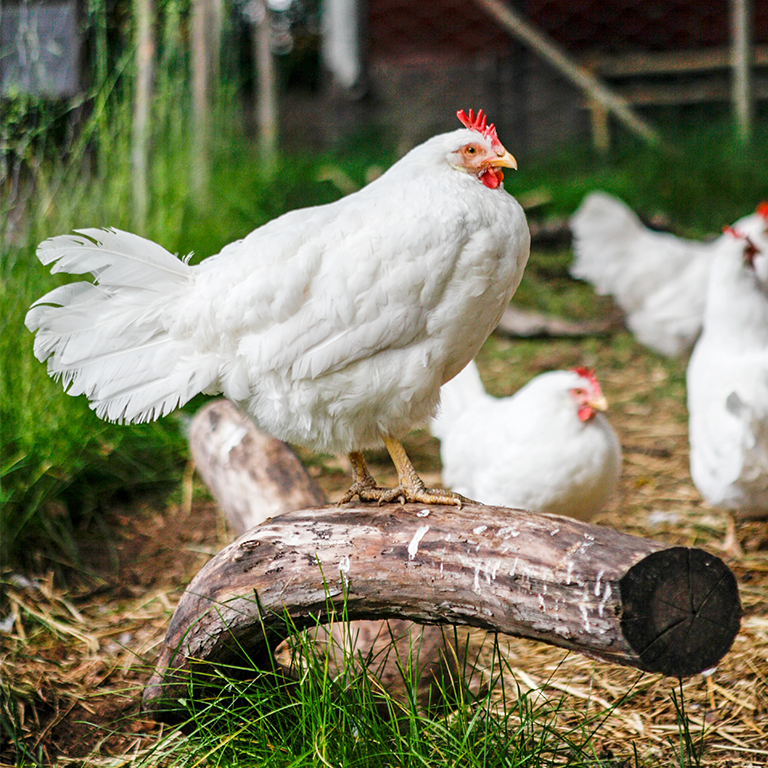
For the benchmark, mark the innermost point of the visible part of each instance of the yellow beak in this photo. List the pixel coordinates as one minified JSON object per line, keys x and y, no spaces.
{"x":598,"y":403}
{"x":503,"y":161}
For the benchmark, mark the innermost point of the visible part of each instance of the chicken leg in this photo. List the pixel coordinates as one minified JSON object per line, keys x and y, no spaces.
{"x":410,"y":487}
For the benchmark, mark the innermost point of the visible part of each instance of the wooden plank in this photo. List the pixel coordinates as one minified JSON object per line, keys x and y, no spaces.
{"x":530,"y":35}
{"x":741,"y":47}
{"x":639,"y":64}
{"x":675,"y":94}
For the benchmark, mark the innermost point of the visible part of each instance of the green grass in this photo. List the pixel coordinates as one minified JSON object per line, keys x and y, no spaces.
{"x":319,"y":713}
{"x":322,"y":715}
{"x":702,"y":180}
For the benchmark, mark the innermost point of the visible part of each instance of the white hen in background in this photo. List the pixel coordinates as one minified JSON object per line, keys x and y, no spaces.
{"x":333,"y":327}
{"x":727,"y":382}
{"x":658,"y":279}
{"x":545,"y":448}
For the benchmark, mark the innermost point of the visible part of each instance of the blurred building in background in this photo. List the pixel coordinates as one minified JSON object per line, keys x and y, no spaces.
{"x":40,"y":49}
{"x":423,"y":60}
{"x":408,"y":65}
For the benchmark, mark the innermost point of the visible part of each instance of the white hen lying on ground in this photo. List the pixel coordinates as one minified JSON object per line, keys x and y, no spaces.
{"x":546,"y":448}
{"x":333,"y":327}
{"x":727,"y":382}
{"x":659,"y":280}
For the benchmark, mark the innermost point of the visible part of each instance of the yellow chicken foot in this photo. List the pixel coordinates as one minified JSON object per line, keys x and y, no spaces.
{"x":731,"y":545}
{"x":363,"y":484}
{"x":410,"y":487}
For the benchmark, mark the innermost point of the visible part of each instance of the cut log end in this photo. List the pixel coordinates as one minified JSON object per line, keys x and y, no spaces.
{"x":680,"y":611}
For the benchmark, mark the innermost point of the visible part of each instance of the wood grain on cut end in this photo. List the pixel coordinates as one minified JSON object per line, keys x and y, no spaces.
{"x":680,"y":611}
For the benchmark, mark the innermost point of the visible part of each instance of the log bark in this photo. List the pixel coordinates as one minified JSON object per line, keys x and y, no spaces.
{"x":252,"y":476}
{"x":529,"y":324}
{"x":609,"y":595}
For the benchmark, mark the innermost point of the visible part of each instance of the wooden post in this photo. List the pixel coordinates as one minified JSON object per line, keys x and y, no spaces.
{"x":606,"y":594}
{"x":342,"y":46}
{"x":548,"y":49}
{"x":144,"y":41}
{"x":265,"y":103}
{"x":201,"y":62}
{"x":741,"y":61}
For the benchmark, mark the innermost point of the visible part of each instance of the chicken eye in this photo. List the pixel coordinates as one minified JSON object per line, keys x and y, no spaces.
{"x":471,"y":150}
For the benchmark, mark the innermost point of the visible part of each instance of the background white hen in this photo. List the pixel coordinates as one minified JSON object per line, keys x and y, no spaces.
{"x":727,"y":386}
{"x":658,"y":279}
{"x":545,"y":448}
{"x":332,"y":327}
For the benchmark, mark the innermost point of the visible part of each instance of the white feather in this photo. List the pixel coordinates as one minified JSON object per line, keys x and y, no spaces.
{"x":727,"y":388}
{"x":463,"y":392}
{"x":108,"y":340}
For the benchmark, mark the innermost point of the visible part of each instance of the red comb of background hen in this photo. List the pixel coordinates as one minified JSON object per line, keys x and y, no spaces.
{"x":728,"y":230}
{"x":479,"y":124}
{"x":588,"y":373}
{"x":762,"y":211}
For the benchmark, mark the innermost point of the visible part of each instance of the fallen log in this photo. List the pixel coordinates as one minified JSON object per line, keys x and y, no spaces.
{"x":609,"y":595}
{"x":529,"y":324}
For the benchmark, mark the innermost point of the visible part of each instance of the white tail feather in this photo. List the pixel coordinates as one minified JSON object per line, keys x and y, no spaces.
{"x":109,"y":340}
{"x":456,"y":396}
{"x":601,"y":228}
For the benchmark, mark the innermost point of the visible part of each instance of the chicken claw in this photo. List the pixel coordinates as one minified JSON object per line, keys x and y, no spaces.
{"x":410,"y":487}
{"x":363,"y":485}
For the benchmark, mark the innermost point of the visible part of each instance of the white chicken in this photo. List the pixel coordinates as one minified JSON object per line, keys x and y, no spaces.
{"x":659,"y":280}
{"x":333,"y":327}
{"x":727,"y":386}
{"x":545,"y":448}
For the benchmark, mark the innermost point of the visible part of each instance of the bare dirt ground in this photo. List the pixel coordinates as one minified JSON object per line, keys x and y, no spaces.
{"x":75,"y":659}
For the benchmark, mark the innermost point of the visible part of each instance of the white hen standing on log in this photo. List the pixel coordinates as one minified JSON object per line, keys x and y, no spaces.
{"x":727,"y":383}
{"x":658,"y":279}
{"x":546,"y":448}
{"x":333,"y":327}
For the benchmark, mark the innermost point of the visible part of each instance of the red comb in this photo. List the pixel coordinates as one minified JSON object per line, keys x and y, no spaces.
{"x":762,"y":211}
{"x":479,"y":124}
{"x":587,"y":373}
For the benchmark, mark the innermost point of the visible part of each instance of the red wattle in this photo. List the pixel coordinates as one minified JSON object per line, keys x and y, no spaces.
{"x":586,"y":412}
{"x":492,"y":177}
